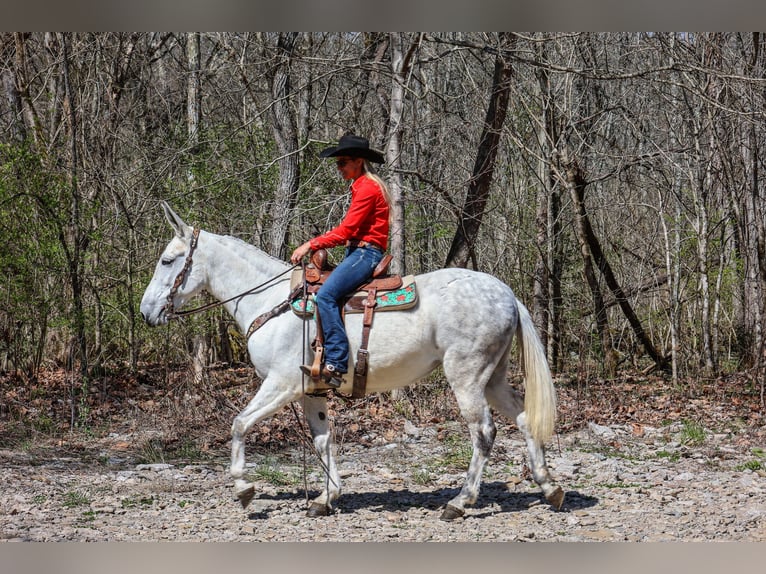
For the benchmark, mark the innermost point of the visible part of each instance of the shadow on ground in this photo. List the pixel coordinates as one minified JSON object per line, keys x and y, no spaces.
{"x":402,"y":500}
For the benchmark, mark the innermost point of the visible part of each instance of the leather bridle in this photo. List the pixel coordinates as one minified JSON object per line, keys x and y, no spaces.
{"x":257,"y":323}
{"x":169,"y":308}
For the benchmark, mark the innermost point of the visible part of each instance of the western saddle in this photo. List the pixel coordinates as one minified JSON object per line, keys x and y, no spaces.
{"x":364,"y":299}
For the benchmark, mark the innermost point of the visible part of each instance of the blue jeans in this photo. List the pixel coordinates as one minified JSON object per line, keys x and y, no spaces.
{"x":355,"y":269}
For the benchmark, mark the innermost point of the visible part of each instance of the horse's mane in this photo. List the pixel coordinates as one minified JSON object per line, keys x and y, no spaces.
{"x":245,"y":249}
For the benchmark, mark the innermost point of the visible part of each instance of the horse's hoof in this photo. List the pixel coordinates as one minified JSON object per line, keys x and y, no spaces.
{"x":316,"y":510}
{"x":556,"y":498}
{"x":246,"y":496}
{"x":451,"y":513}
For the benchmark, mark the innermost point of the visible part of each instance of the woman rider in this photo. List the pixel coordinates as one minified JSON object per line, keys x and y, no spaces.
{"x":364,"y":232}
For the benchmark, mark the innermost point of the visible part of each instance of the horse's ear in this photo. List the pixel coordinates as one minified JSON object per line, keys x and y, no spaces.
{"x":182,"y":230}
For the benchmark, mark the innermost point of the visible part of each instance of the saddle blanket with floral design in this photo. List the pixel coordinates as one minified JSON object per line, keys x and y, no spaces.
{"x":394,"y":300}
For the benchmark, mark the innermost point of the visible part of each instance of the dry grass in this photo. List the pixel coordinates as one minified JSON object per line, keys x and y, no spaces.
{"x":192,"y":420}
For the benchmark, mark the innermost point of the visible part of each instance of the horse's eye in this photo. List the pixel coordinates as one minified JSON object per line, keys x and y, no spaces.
{"x":167,"y":261}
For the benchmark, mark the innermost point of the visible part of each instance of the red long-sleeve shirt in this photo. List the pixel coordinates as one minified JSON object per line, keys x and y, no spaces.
{"x":365,"y":220}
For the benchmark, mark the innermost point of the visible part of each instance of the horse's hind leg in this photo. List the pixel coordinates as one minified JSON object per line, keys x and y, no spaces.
{"x":482,"y":430}
{"x":475,"y":410}
{"x":511,"y":404}
{"x":553,"y":493}
{"x":315,"y":410}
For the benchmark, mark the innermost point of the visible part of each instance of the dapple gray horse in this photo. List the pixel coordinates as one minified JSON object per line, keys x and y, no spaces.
{"x":464,"y":321}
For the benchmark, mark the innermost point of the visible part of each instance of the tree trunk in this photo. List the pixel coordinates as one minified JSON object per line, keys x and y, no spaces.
{"x":14,"y":104}
{"x":541,"y":309}
{"x":400,"y":66}
{"x":200,"y":353}
{"x":755,"y":211}
{"x":286,"y":138}
{"x":193,"y":113}
{"x":193,"y":90}
{"x":31,"y":120}
{"x":576,"y":183}
{"x":305,"y":96}
{"x":546,"y":287}
{"x":462,"y":248}
{"x":700,"y":187}
{"x":78,"y":238}
{"x":672,"y":249}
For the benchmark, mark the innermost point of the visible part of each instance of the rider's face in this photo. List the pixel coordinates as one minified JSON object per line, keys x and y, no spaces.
{"x":350,"y":168}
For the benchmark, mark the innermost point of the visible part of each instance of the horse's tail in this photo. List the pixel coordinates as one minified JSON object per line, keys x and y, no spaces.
{"x":540,"y":395}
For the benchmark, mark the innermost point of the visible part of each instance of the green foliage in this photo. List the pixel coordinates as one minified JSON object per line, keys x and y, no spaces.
{"x":422,"y":476}
{"x":692,"y":433}
{"x":750,"y":465}
{"x":75,"y":498}
{"x":403,"y":408}
{"x":160,"y":451}
{"x":43,"y":424}
{"x":87,"y":516}
{"x":152,"y":451}
{"x":756,"y":464}
{"x":671,"y":456}
{"x":137,"y":501}
{"x":212,"y":200}
{"x":617,"y":485}
{"x":270,"y":470}
{"x":188,"y":451}
{"x":32,"y":259}
{"x":459,"y":452}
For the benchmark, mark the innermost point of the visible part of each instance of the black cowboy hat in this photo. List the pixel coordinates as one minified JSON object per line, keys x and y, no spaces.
{"x":353,"y":146}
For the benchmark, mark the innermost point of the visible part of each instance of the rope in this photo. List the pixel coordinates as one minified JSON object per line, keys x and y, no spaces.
{"x":215,"y":304}
{"x":304,"y":339}
{"x":303,"y":437}
{"x":303,"y":434}
{"x":172,"y":314}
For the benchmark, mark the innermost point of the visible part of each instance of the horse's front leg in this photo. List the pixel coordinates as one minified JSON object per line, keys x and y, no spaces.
{"x":272,"y":396}
{"x":315,"y":410}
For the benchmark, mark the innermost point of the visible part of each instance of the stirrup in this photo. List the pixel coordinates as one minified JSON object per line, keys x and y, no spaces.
{"x":328,"y":376}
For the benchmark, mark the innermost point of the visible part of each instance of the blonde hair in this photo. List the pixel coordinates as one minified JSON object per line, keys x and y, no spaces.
{"x":370,"y":172}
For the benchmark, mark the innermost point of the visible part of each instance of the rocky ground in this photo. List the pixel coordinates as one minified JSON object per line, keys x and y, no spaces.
{"x":659,"y":474}
{"x":619,"y":486}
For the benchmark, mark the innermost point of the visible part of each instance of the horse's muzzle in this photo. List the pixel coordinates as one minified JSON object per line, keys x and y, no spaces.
{"x":154,"y":320}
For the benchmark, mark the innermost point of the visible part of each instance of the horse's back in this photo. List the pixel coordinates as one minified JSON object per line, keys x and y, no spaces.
{"x":459,"y":311}
{"x":471,"y":298}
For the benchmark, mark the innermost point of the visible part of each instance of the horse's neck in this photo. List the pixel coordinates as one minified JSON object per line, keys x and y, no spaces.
{"x":234,"y":267}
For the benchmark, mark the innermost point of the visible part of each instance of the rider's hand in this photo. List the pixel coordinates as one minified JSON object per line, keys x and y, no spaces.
{"x":300,"y":252}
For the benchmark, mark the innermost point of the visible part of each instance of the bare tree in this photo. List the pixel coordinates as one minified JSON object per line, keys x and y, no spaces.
{"x":286,"y":138}
{"x":548,"y":267}
{"x":575,"y":180}
{"x":401,"y":63}
{"x":472,"y":212}
{"x":667,"y":130}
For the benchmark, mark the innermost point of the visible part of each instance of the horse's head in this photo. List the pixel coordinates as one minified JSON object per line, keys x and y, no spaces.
{"x":177,"y":278}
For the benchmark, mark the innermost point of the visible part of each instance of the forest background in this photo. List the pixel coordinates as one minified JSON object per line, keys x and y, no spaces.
{"x":612,"y":179}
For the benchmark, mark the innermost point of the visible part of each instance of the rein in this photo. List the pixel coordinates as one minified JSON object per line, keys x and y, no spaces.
{"x":257,"y":323}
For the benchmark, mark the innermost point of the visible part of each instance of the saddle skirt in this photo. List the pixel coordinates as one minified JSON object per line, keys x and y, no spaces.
{"x":393,"y":292}
{"x":382,"y":293}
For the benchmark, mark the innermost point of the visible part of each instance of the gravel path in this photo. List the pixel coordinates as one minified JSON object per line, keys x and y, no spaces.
{"x":622,"y":483}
